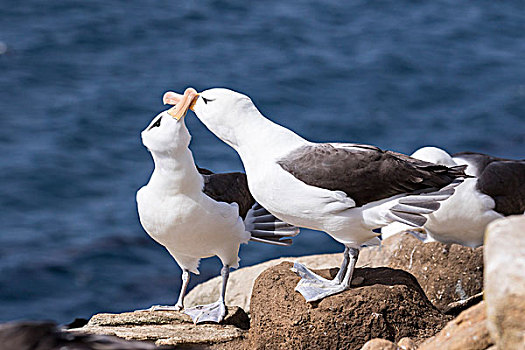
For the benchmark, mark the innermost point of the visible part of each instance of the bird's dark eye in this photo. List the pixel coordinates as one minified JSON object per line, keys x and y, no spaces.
{"x":156,"y":124}
{"x":206,"y":100}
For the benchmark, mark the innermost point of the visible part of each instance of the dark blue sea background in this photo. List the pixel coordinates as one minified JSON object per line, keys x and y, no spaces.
{"x":79,"y":80}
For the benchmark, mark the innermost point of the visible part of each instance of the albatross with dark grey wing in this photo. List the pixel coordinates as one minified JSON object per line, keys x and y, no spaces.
{"x":378,"y":174}
{"x":500,"y":178}
{"x":345,"y":190}
{"x":197,"y":214}
{"x":496,"y":189}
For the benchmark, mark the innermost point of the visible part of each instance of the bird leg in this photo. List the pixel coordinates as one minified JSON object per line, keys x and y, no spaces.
{"x":314,"y":287}
{"x":354,"y":255}
{"x":213,"y":312}
{"x":180,"y":303}
{"x":344,"y":266}
{"x":309,"y":277}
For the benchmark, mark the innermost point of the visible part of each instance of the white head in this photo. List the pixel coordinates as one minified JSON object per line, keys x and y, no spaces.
{"x":223,"y":111}
{"x":434,"y":155}
{"x":166,"y":134}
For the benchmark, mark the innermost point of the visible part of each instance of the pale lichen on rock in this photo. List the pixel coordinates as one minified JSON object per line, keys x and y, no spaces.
{"x":505,"y":281}
{"x":167,"y":327}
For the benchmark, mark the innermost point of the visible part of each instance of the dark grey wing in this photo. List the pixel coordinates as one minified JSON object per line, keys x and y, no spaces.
{"x":504,"y":181}
{"x":366,"y":173}
{"x":229,"y":188}
{"x":204,"y":171}
{"x":262,"y":225}
{"x":478,"y":160}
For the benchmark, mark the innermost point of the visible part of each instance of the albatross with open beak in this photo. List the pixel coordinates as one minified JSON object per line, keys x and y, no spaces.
{"x":198,"y":215}
{"x":346,"y":190}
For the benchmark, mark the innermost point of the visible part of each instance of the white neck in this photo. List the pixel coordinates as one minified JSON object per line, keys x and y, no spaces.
{"x":175,"y":172}
{"x":253,"y":135}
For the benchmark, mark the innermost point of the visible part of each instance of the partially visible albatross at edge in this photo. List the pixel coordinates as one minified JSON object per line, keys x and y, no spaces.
{"x":346,"y":190}
{"x":496,"y":189}
{"x":197,"y":214}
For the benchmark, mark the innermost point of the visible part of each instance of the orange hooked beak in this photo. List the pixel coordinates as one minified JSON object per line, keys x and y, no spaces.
{"x":181,"y":102}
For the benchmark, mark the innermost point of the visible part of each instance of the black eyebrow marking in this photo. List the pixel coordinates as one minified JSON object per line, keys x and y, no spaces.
{"x":156,"y":124}
{"x":206,"y":100}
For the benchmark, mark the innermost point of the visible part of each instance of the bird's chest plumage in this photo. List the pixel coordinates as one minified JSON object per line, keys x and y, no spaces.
{"x":190,"y":225}
{"x":167,"y":216}
{"x":463,"y":217}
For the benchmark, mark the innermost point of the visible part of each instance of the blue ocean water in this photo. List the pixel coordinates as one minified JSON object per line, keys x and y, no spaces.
{"x":79,"y":80}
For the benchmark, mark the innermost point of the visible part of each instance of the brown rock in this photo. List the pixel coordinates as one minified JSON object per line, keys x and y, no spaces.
{"x":407,"y":344}
{"x":505,"y":281}
{"x":240,"y":282}
{"x":42,"y":335}
{"x":379,"y":344}
{"x":389,"y":304}
{"x":468,"y":331}
{"x":447,"y":272}
{"x":167,"y":327}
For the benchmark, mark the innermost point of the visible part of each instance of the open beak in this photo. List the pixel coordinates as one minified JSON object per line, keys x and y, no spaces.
{"x":182,"y":102}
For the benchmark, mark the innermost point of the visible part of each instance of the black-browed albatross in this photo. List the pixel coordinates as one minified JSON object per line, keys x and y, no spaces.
{"x":345,"y":190}
{"x":197,"y":214}
{"x":496,"y":189}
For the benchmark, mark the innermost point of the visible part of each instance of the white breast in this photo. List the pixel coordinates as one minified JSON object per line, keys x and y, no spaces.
{"x":191,"y":226}
{"x":463,"y":217}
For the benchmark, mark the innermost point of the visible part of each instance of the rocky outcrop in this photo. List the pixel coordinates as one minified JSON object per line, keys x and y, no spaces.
{"x":505,"y":281}
{"x":467,"y":331}
{"x":448,"y":273}
{"x":168,"y":328}
{"x":386,"y":308}
{"x":388,"y":304}
{"x":499,"y":321}
{"x":240,"y":282}
{"x":402,"y":296}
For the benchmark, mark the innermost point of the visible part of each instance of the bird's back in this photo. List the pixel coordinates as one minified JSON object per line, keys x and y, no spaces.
{"x":229,"y":188}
